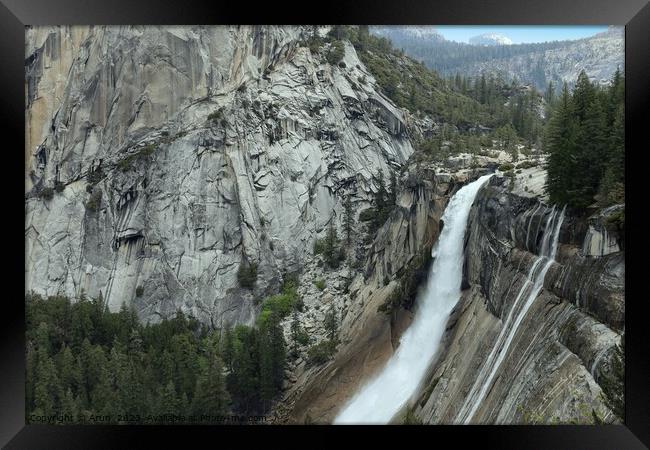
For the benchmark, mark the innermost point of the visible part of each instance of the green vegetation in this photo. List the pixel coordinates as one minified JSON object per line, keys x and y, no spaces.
{"x":331,"y":323}
{"x":95,"y":201}
{"x":585,"y":140}
{"x":473,"y":111}
{"x":95,"y":176}
{"x":617,"y":222}
{"x":384,"y":202}
{"x":218,"y":117}
{"x":505,"y":167}
{"x":314,"y":43}
{"x":335,"y":53}
{"x":46,"y":193}
{"x":321,"y":353}
{"x":127,"y":163}
{"x":448,"y":57}
{"x":527,"y":164}
{"x":461,"y":102}
{"x":299,"y":336}
{"x":348,"y":219}
{"x":320,"y":284}
{"x":247,"y":275}
{"x":412,"y":276}
{"x":330,"y":247}
{"x":530,"y":417}
{"x":281,"y":304}
{"x":319,"y":246}
{"x":83,"y":359}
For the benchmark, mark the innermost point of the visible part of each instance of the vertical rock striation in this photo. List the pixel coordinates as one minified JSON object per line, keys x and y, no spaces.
{"x":178,"y":154}
{"x":552,"y":368}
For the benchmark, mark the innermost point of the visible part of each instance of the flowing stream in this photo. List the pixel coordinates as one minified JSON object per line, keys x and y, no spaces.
{"x":380,"y":399}
{"x":525,"y":298}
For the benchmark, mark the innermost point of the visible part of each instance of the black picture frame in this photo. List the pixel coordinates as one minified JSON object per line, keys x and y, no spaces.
{"x":16,"y":14}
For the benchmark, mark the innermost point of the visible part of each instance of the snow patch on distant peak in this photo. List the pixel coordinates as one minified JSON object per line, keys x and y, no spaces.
{"x":490,"y":39}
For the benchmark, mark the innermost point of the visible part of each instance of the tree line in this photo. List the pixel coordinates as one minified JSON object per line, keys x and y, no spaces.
{"x":83,"y":360}
{"x":473,"y":112}
{"x":585,"y":140}
{"x":449,"y":57}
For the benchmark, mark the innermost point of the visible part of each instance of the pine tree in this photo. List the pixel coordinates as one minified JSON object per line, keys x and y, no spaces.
{"x":272,"y":358}
{"x":243,"y":381}
{"x":591,"y":155}
{"x":561,"y":146}
{"x":47,"y":390}
{"x":67,"y":369}
{"x":612,"y":189}
{"x":338,"y":32}
{"x":30,"y":376}
{"x":363,"y":37}
{"x":103,"y":397}
{"x":183,"y":351}
{"x":121,"y":378}
{"x":331,"y":323}
{"x":348,"y":218}
{"x":82,"y":326}
{"x":615,"y":96}
{"x":584,"y":94}
{"x":551,"y":93}
{"x":392,"y":195}
{"x":382,"y":205}
{"x":168,"y":401}
{"x":464,"y":86}
{"x":585,"y":140}
{"x":332,"y":250}
{"x":381,"y":194}
{"x":483,"y":90}
{"x":69,"y":405}
{"x":295,"y":332}
{"x":227,"y":348}
{"x":210,"y":396}
{"x":166,"y":367}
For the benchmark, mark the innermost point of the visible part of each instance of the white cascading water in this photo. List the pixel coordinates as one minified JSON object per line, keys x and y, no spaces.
{"x":379,"y":400}
{"x":525,"y":298}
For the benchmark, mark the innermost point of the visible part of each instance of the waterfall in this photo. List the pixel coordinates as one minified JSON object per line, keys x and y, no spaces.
{"x":525,"y":298}
{"x":380,"y":399}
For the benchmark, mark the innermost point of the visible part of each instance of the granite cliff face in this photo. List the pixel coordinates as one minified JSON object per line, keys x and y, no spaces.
{"x":177,"y":154}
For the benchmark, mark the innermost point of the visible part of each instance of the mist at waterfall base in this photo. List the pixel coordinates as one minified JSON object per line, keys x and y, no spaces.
{"x":379,"y":400}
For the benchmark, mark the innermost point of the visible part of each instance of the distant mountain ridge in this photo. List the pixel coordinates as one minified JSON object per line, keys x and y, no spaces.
{"x":490,"y":39}
{"x":532,"y":63}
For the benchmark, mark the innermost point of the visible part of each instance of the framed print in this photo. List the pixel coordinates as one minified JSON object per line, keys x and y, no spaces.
{"x":384,"y":215}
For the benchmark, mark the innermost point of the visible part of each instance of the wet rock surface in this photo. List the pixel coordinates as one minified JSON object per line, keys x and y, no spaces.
{"x":564,"y":343}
